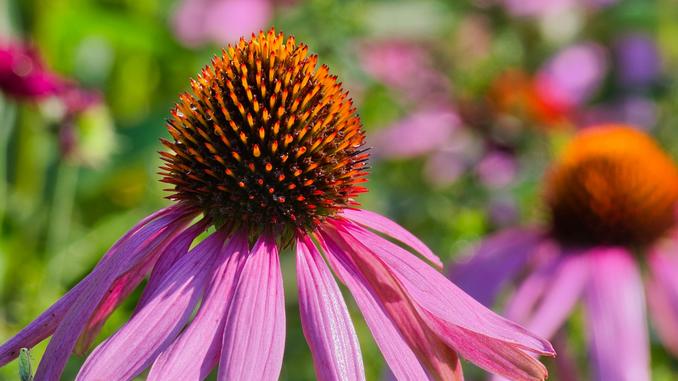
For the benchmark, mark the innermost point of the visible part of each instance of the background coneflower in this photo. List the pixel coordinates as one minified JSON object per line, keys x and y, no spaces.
{"x":611,"y":198}
{"x":268,"y":150}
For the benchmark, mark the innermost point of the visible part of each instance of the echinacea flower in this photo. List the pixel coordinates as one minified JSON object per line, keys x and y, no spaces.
{"x":23,"y":75}
{"x":196,"y":22}
{"x":269,"y":150}
{"x":573,"y":75}
{"x":612,"y":198}
{"x":543,"y":8}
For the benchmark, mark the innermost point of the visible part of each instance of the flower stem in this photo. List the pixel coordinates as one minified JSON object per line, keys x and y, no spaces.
{"x":62,"y":206}
{"x":8,"y":112}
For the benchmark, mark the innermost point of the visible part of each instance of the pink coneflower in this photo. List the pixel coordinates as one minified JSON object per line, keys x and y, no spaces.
{"x":268,"y":150}
{"x":612,"y":199}
{"x":196,"y":22}
{"x":23,"y":75}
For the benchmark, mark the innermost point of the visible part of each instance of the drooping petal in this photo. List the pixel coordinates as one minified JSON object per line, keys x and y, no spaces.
{"x":615,"y":317}
{"x":566,"y":283}
{"x":558,"y":301}
{"x":160,"y":260}
{"x":132,"y":348}
{"x":67,"y":318}
{"x":254,"y":332}
{"x":398,"y":355}
{"x":174,"y":251}
{"x":545,"y":299}
{"x":494,"y":262}
{"x":531,"y":290}
{"x":121,"y":288}
{"x":662,"y":293}
{"x":386,"y":226}
{"x":325,"y":320}
{"x":438,"y":359}
{"x":43,"y":326}
{"x":195,"y":353}
{"x":477,"y":333}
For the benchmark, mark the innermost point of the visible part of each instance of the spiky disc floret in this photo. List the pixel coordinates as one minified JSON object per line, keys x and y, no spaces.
{"x":612,"y":185}
{"x":266,"y":139}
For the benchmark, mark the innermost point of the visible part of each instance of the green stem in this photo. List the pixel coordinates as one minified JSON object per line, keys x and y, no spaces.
{"x":61,"y":209}
{"x":8,"y":111}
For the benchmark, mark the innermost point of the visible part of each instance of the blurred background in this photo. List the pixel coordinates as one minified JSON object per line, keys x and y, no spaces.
{"x":464,"y":102}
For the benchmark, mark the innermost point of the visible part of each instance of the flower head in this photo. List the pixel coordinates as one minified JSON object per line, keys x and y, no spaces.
{"x":612,"y":185}
{"x":611,"y":194}
{"x":23,"y":75}
{"x":264,"y":124}
{"x":291,"y":134}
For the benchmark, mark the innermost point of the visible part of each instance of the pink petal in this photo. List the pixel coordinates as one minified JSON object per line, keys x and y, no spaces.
{"x":615,"y":312}
{"x":662,"y":294}
{"x":494,"y":263}
{"x":439,"y":360}
{"x":567,"y":285}
{"x":130,"y":350}
{"x":545,"y":298}
{"x":531,"y":290}
{"x":325,"y":320}
{"x":193,"y":355}
{"x":121,"y":288}
{"x":254,"y":332}
{"x":43,"y":326}
{"x":128,"y":282}
{"x":158,"y":219}
{"x":398,"y":355}
{"x":175,"y":250}
{"x":386,"y":226}
{"x":228,"y":20}
{"x":123,"y":256}
{"x":477,"y":333}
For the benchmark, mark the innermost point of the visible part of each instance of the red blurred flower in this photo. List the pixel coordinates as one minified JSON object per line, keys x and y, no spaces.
{"x":23,"y":74}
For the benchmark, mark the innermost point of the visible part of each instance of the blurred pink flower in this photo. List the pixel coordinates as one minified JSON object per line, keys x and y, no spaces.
{"x":418,"y":134}
{"x":23,"y":75}
{"x":612,"y":196}
{"x":407,"y":68}
{"x":197,"y":22}
{"x":497,"y":169}
{"x":438,"y":135}
{"x":573,"y":75}
{"x":433,"y":128}
{"x":541,"y":8}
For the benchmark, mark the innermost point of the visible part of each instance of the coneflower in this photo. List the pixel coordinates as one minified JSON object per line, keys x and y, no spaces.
{"x":23,"y":74}
{"x":612,"y":198}
{"x":268,"y":150}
